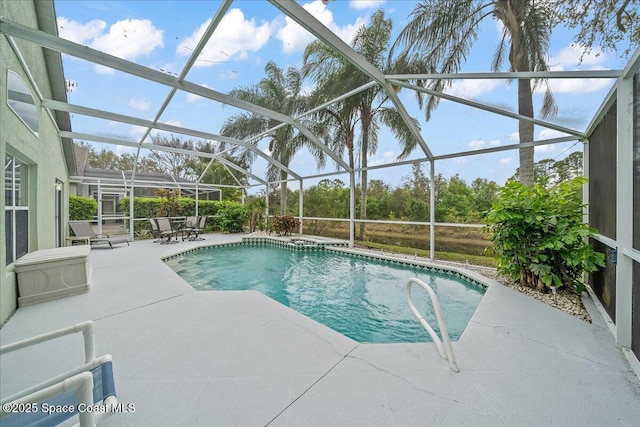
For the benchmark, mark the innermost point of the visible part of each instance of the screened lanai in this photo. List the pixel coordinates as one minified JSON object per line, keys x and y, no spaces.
{"x":621,"y":137}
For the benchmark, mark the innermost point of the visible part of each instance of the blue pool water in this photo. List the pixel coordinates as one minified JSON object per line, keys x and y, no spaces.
{"x":361,"y":297}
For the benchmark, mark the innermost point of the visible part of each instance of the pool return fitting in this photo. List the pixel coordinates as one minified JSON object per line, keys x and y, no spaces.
{"x":444,"y":346}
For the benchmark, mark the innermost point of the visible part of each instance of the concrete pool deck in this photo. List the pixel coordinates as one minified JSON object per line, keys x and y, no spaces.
{"x":188,"y":358}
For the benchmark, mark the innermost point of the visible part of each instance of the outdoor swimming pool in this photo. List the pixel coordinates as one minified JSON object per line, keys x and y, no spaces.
{"x":361,"y":297}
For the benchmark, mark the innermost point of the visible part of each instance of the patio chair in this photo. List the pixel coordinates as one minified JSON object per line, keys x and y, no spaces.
{"x":83,"y":229}
{"x":90,"y":385}
{"x":155,"y":230}
{"x":194,"y":228}
{"x":167,"y":232}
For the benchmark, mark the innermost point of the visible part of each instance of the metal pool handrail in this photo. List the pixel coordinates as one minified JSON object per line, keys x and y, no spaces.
{"x":444,"y":346}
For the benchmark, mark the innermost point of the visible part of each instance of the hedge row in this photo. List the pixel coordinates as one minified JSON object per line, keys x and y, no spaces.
{"x":224,"y":216}
{"x":82,"y":208}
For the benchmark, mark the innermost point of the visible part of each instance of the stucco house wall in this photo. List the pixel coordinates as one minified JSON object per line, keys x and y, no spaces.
{"x":43,"y":153}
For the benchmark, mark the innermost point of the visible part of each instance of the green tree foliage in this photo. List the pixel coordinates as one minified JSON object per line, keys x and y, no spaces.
{"x":231,"y":217}
{"x":549,"y":172}
{"x":174,"y":163}
{"x":456,"y":201}
{"x":483,"y":194}
{"x":169,"y":202}
{"x":333,"y":76}
{"x":613,"y":25}
{"x":327,"y":199}
{"x":213,"y":171}
{"x":257,"y":208}
{"x":82,"y":208}
{"x":225,"y":216}
{"x":539,"y":237}
{"x":377,"y":200}
{"x":442,"y":33}
{"x":107,"y":159}
{"x":281,"y":91}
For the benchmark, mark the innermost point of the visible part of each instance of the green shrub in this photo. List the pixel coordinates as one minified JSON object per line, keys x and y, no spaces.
{"x":231,"y":217}
{"x":285,"y":224}
{"x":169,"y":203}
{"x":539,"y":237}
{"x":82,"y":208}
{"x":225,"y":216}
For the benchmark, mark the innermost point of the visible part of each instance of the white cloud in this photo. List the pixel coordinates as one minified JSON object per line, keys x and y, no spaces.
{"x":80,"y":33}
{"x":365,"y":4}
{"x":472,"y":88}
{"x":294,"y":38}
{"x":579,"y":85}
{"x":478,"y":144}
{"x":139,"y":104}
{"x":515,"y":136}
{"x":234,"y":38}
{"x":127,"y":39}
{"x":506,"y":160}
{"x":130,"y":39}
{"x":569,"y":59}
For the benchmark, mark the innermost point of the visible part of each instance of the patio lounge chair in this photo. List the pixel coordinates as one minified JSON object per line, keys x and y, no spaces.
{"x":155,"y":230}
{"x":167,"y":232}
{"x":83,"y":229}
{"x":85,"y":386}
{"x":194,"y":226}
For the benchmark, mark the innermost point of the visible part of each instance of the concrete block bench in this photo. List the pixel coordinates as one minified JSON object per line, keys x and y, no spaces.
{"x":52,"y":273}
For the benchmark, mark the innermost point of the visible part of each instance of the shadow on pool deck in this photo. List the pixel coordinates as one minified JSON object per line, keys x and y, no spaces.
{"x":239,"y":358}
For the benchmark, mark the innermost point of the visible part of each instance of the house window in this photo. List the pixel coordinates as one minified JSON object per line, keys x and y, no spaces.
{"x":19,"y":99}
{"x":16,"y":211}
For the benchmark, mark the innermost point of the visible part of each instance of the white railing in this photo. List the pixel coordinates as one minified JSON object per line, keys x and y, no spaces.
{"x":80,"y":379}
{"x":443,"y":345}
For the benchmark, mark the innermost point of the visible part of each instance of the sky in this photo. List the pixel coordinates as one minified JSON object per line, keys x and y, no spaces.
{"x":162,"y":34}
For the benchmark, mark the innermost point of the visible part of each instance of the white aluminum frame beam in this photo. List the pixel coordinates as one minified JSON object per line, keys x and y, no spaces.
{"x":489,"y":108}
{"x":509,"y":75}
{"x":189,"y":64}
{"x":120,"y":118}
{"x":152,"y":147}
{"x":318,"y":108}
{"x":83,"y":52}
{"x":307,"y":21}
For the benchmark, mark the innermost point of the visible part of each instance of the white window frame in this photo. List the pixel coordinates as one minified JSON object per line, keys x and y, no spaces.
{"x":12,"y":209}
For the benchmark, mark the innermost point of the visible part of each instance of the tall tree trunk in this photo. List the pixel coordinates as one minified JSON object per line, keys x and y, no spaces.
{"x":283,"y":193}
{"x":365,"y":121}
{"x":519,"y":59}
{"x":349,"y":144}
{"x":525,"y":107}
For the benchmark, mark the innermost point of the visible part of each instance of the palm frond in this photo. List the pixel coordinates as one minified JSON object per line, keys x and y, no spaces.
{"x":442,"y":32}
{"x":391,"y":118}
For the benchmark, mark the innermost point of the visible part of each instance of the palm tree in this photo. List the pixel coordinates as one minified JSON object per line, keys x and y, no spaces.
{"x":281,"y":92}
{"x":334,"y":76}
{"x":442,"y":33}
